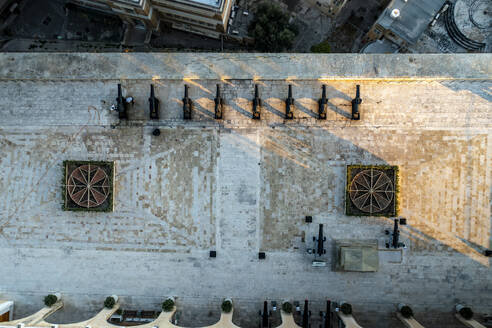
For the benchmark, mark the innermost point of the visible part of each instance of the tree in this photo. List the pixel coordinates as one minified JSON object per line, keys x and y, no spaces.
{"x":271,"y":29}
{"x":50,"y":299}
{"x":168,"y":305}
{"x":226,"y":306}
{"x":109,"y":302}
{"x":323,"y":47}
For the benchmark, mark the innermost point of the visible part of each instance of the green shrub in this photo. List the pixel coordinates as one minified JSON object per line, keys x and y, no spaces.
{"x":287,"y":307}
{"x":168,"y":305}
{"x":466,"y":313}
{"x":346,"y":308}
{"x":323,"y":47}
{"x":226,"y":306}
{"x":271,"y":28}
{"x":406,"y":311}
{"x":109,"y":302}
{"x":50,"y":299}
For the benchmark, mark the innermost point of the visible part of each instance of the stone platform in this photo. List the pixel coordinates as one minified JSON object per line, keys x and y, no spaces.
{"x":240,"y":186}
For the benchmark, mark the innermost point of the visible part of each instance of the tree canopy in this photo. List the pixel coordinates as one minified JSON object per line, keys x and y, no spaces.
{"x":271,"y":29}
{"x":323,"y":47}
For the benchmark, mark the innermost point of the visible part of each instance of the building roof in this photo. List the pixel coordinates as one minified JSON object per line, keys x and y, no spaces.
{"x":414,"y":17}
{"x":211,"y":3}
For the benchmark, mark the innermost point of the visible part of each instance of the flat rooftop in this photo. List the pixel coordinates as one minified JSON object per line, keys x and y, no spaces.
{"x":414,"y":17}
{"x":240,"y":186}
{"x":211,"y":3}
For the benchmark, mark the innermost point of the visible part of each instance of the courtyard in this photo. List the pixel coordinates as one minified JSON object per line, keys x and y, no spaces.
{"x":240,"y":186}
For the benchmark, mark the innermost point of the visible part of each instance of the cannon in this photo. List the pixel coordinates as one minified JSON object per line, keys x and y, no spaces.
{"x":219,"y":104}
{"x":305,"y":315}
{"x":256,"y":104}
{"x":395,"y":235}
{"x":153,"y":104}
{"x":355,"y":104}
{"x":323,"y":105}
{"x":187,"y":105}
{"x":319,"y":250}
{"x":327,"y":315}
{"x":289,"y":104}
{"x":265,"y":316}
{"x":121,"y":105}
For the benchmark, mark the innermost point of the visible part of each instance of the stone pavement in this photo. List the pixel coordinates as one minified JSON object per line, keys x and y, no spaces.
{"x":240,"y":186}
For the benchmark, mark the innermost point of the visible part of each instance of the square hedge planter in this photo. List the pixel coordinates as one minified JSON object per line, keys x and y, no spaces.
{"x":372,"y":190}
{"x":88,"y":186}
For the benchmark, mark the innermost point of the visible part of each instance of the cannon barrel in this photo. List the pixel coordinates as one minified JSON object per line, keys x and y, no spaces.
{"x":323,"y":104}
{"x":288,"y":103}
{"x":328,"y":315}
{"x":290,"y":100}
{"x":355,"y":104}
{"x":187,"y":105}
{"x":218,"y":104}
{"x":153,"y":104}
{"x":396,"y":234}
{"x":264,"y":316}
{"x":320,"y":241}
{"x":120,"y":96}
{"x":256,"y":104}
{"x":120,"y":104}
{"x":305,"y":315}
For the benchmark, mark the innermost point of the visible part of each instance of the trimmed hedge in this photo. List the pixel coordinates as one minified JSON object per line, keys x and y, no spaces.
{"x":226,"y":306}
{"x":466,"y":313}
{"x":406,"y":311}
{"x":323,"y":47}
{"x":348,"y":202}
{"x":50,"y":299}
{"x":110,"y":205}
{"x":346,"y":308}
{"x":168,"y":305}
{"x":109,"y":302}
{"x":287,"y":307}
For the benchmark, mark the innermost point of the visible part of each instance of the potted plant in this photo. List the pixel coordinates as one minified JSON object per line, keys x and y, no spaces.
{"x":346,"y":308}
{"x":168,"y":305}
{"x":287,"y":307}
{"x":226,"y":305}
{"x":405,"y":310}
{"x":51,"y":299}
{"x":464,"y":311}
{"x":110,"y":301}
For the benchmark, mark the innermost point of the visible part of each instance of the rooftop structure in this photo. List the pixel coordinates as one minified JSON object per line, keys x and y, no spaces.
{"x":403,"y":22}
{"x":206,"y":17}
{"x":239,"y":186}
{"x":211,"y":3}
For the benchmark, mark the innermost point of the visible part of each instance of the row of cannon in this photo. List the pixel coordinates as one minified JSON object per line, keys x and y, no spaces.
{"x":122,"y":104}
